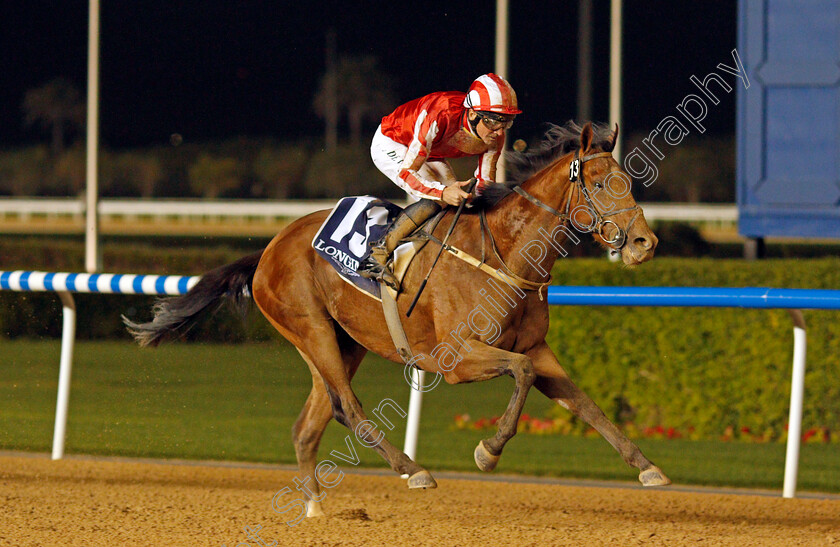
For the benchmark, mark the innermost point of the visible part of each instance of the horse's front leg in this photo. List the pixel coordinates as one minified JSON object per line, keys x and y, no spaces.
{"x":483,"y":362}
{"x":553,"y":381}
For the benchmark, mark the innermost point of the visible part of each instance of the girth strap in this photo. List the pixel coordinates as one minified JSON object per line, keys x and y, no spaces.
{"x":392,"y":319}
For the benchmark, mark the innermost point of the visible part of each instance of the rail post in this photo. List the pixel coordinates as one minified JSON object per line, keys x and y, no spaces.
{"x":797,"y":393}
{"x":68,"y":340}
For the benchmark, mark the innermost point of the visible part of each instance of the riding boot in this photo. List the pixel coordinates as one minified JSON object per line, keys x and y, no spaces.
{"x":375,"y":264}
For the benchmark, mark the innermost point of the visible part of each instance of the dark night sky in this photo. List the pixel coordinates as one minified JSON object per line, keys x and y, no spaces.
{"x":213,"y":69}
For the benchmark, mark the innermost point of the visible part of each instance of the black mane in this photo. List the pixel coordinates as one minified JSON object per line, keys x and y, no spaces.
{"x":558,"y":141}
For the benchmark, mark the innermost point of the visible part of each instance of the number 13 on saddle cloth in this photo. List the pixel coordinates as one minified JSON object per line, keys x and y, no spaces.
{"x":344,"y":238}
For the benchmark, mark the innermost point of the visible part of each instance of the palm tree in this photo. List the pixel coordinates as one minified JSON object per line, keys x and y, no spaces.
{"x":362,"y":91}
{"x":56,"y":106}
{"x":367,"y":94}
{"x":210,"y":176}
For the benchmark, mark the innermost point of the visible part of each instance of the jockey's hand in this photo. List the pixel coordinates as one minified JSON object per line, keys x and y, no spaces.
{"x":453,"y":194}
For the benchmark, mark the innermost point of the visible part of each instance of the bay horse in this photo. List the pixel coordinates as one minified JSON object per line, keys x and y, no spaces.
{"x":333,"y":325}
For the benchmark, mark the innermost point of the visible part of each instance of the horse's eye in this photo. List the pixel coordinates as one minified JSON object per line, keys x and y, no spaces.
{"x":598,"y":185}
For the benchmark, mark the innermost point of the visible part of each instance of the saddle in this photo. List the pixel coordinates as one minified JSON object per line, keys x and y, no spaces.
{"x":356,"y":221}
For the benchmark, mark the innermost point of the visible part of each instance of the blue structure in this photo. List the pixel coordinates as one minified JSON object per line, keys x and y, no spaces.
{"x":788,"y":121}
{"x":706,"y":297}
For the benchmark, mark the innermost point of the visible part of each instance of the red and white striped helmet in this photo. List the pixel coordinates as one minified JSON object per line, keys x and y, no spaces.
{"x":492,"y":93}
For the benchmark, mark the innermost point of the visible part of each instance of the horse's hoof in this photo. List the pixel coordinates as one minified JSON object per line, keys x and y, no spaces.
{"x":313,"y":509}
{"x":653,"y":476}
{"x":422,"y":479}
{"x":484,"y":459}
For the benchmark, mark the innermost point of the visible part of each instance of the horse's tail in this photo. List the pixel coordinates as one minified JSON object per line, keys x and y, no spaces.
{"x":174,"y":316}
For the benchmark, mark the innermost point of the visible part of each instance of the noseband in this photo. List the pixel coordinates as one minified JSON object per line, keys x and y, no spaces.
{"x":619,"y":238}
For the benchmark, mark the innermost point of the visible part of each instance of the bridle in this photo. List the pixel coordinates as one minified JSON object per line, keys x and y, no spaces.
{"x":619,"y":238}
{"x":616,"y":243}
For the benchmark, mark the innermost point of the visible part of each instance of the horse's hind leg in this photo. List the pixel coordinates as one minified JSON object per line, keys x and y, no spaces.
{"x":324,"y":354}
{"x":313,"y":420}
{"x":553,"y":381}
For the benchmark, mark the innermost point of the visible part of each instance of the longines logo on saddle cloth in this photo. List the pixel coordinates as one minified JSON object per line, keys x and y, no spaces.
{"x":345,"y":237}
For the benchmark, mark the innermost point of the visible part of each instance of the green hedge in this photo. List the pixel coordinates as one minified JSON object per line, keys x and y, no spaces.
{"x":704,"y":372}
{"x":701,"y":371}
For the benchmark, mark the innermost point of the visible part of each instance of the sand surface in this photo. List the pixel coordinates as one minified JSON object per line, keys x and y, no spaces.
{"x":90,"y":502}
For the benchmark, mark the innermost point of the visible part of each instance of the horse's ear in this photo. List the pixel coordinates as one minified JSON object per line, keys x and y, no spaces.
{"x":586,"y":138}
{"x":613,"y":138}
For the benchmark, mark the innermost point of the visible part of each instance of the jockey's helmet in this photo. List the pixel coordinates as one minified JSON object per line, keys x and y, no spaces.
{"x":492,"y":93}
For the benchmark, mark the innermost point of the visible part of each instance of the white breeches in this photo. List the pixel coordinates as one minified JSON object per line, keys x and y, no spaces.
{"x":388,"y":155}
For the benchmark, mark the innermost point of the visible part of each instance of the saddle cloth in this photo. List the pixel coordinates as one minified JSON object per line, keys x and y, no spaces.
{"x":345,"y":237}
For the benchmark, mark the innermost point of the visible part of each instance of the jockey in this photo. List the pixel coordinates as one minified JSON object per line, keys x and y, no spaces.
{"x":411,"y":147}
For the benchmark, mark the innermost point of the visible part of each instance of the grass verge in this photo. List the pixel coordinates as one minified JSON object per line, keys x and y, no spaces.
{"x":238,"y":402}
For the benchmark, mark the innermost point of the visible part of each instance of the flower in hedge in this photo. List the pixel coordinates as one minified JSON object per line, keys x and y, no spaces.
{"x":462,"y":421}
{"x":817,"y":435}
{"x":542,"y":427}
{"x":481,"y":423}
{"x":656,"y":432}
{"x":566,"y":425}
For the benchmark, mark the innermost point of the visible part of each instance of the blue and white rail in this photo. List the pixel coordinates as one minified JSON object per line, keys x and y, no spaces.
{"x":96,"y":283}
{"x":67,"y":283}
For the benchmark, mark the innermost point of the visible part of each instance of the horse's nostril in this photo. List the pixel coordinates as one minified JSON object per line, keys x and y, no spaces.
{"x":643,"y":242}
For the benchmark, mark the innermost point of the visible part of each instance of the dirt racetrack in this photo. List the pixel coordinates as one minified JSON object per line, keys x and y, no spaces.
{"x":90,"y":502}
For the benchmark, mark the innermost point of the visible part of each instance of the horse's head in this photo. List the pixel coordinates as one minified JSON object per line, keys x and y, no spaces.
{"x":601,"y":201}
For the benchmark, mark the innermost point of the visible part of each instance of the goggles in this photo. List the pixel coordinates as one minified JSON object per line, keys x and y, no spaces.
{"x":493,"y":121}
